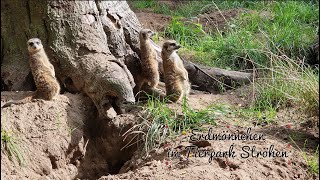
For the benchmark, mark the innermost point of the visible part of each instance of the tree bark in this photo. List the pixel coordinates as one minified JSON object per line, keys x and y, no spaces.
{"x":93,"y":45}
{"x":77,"y":36}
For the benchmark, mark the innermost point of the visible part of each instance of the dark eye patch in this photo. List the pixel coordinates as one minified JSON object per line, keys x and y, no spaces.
{"x":172,"y":44}
{"x":31,"y":43}
{"x":38,"y":42}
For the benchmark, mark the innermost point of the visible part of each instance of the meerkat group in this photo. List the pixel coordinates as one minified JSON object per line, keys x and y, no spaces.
{"x":47,"y":86}
{"x":175,"y":75}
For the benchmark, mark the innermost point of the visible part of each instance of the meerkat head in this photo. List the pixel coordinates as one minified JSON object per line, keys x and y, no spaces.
{"x":34,"y":45}
{"x":146,"y":34}
{"x":170,"y":46}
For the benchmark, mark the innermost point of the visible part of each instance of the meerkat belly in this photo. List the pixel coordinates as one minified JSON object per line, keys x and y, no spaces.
{"x":149,"y":66}
{"x":43,"y":79}
{"x":172,"y":81}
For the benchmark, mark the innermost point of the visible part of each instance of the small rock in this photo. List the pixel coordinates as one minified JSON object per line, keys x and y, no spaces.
{"x":202,"y":143}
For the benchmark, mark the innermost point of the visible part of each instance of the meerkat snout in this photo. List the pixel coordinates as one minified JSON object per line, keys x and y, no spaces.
{"x":171,"y":46}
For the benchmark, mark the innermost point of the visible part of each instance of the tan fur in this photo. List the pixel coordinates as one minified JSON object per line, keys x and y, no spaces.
{"x":149,"y":63}
{"x":175,"y":75}
{"x":43,"y":73}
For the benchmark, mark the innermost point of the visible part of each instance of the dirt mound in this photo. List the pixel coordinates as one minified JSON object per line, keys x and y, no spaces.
{"x":156,"y":22}
{"x":210,"y":21}
{"x":44,"y":133}
{"x":61,"y":139}
{"x":213,"y":20}
{"x":194,"y":163}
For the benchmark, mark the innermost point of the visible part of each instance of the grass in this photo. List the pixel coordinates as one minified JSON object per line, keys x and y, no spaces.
{"x":291,"y":27}
{"x":159,"y":121}
{"x":260,"y":117}
{"x":271,"y":37}
{"x":312,"y":161}
{"x":188,"y":9}
{"x":10,"y":147}
{"x":288,"y":83}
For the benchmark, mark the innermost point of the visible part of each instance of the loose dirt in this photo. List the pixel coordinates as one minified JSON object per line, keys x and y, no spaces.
{"x":64,"y":140}
{"x":211,"y":21}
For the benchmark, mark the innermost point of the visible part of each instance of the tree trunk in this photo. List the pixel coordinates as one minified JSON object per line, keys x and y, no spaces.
{"x":85,"y":40}
{"x":93,"y":45}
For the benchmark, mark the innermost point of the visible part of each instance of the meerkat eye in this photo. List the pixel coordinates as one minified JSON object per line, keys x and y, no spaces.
{"x":38,"y":42}
{"x":172,"y":44}
{"x":31,"y":44}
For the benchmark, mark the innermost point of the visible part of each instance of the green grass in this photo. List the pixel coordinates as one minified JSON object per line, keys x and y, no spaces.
{"x":269,"y":36}
{"x":286,"y":27}
{"x":10,"y":147}
{"x":286,"y":84}
{"x":160,"y":121}
{"x":289,"y":27}
{"x":312,"y":162}
{"x":188,"y":9}
{"x":260,"y":117}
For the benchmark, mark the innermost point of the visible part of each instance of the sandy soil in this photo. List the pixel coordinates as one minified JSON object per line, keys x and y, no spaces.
{"x":210,"y":21}
{"x":51,"y":136}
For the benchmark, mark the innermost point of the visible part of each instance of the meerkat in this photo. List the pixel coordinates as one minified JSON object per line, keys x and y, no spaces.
{"x":175,"y":75}
{"x":43,"y":74}
{"x":149,"y":63}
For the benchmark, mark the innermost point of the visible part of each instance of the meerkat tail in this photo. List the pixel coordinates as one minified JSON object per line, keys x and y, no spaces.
{"x":22,"y":101}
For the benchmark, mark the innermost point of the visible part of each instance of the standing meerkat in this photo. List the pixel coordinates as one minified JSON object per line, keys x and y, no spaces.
{"x":175,"y":75}
{"x":149,"y":63}
{"x":43,"y":73}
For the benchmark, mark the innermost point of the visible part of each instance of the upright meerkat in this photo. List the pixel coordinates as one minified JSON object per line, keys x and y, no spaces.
{"x":149,"y":63}
{"x":43,"y":73}
{"x":175,"y":75}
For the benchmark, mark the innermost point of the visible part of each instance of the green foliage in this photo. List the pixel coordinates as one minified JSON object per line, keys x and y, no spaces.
{"x":144,"y":4}
{"x":288,"y":83}
{"x":10,"y":147}
{"x":286,"y":27}
{"x":312,"y":161}
{"x":260,"y":117}
{"x":272,"y":36}
{"x":159,"y":121}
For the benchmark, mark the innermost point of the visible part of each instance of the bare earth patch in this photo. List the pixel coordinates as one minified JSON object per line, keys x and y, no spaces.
{"x":155,"y":22}
{"x":210,"y":21}
{"x":52,"y":137}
